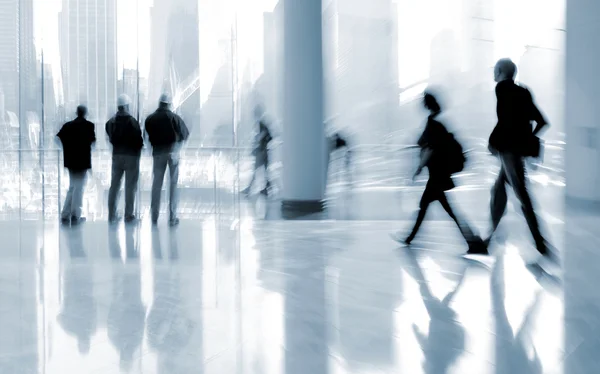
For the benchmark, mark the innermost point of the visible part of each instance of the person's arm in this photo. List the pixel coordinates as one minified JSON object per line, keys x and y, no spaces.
{"x":425,"y":156}
{"x":60,"y":135}
{"x":108,"y":130}
{"x":92,"y":133}
{"x":537,"y":116}
{"x":185,"y":132}
{"x":138,"y":130}
{"x":181,"y":129}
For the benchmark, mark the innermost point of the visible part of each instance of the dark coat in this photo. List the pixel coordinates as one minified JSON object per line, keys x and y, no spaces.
{"x":125,"y":134}
{"x":516,"y":110}
{"x":165,"y":129}
{"x":77,"y":137}
{"x":436,"y":137}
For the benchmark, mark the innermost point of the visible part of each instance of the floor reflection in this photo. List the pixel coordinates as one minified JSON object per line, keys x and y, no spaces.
{"x":127,"y":312}
{"x":271,"y":297}
{"x":78,"y":314}
{"x":445,"y":340}
{"x":515,"y":350}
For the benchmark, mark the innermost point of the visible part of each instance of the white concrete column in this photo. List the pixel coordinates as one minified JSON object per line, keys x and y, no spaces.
{"x":582,"y":109}
{"x":581,"y":258}
{"x":304,"y":156}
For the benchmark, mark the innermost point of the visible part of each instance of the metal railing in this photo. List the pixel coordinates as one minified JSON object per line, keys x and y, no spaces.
{"x":33,"y":182}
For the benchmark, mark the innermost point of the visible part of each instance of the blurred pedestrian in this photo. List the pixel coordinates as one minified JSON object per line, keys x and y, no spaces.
{"x":512,"y":140}
{"x":443,"y":156}
{"x":261,"y":151}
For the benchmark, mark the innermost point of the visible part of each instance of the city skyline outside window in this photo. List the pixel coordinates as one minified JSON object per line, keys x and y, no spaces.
{"x":219,"y":58}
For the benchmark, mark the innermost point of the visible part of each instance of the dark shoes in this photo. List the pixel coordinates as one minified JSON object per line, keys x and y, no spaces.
{"x":397,"y":237}
{"x":548,"y":251}
{"x":477,"y":246}
{"x":114,"y":220}
{"x":172,"y":221}
{"x":72,"y":220}
{"x":131,"y":219}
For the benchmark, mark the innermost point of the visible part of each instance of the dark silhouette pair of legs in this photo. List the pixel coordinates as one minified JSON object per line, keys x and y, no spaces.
{"x":512,"y":172}
{"x":432,"y":193}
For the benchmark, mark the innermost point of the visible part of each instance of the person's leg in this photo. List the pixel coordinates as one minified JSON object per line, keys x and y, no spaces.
{"x":427,"y":198}
{"x":78,"y":182}
{"x":249,"y":188}
{"x":173,"y":162}
{"x":257,"y":165}
{"x":159,"y":168}
{"x":498,"y":201}
{"x":475,"y":243}
{"x":515,"y":173}
{"x":265,"y":191}
{"x":132,"y":175}
{"x":65,"y":215}
{"x":115,"y":185}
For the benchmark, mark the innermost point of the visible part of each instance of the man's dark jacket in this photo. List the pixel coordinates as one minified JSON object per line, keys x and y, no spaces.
{"x":125,"y":134}
{"x":77,"y":137}
{"x":516,"y":110}
{"x":165,"y":129}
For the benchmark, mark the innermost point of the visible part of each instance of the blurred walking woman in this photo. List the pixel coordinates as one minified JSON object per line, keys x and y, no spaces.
{"x":439,"y":153}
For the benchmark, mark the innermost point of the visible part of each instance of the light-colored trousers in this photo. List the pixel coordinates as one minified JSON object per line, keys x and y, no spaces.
{"x":74,"y":201}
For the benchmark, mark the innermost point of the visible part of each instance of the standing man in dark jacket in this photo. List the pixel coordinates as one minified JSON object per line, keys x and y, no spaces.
{"x":126,"y":138}
{"x":166,"y":133}
{"x":511,"y":141}
{"x":77,"y":137}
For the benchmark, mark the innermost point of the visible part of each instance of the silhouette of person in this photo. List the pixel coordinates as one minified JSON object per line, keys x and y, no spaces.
{"x":511,"y":141}
{"x":125,"y":136}
{"x":77,"y":137}
{"x":446,"y":339}
{"x":78,"y":315}
{"x":127,"y":312}
{"x":169,"y":328}
{"x":433,"y":143}
{"x":512,"y":349}
{"x":261,"y":151}
{"x":166,"y":132}
{"x":336,"y":143}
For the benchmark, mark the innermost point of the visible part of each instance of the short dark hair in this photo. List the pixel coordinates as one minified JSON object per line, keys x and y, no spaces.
{"x":81,"y":111}
{"x":431,"y":103}
{"x":507,"y":67}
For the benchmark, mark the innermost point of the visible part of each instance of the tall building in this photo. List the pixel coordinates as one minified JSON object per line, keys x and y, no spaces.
{"x":361,"y":67}
{"x":88,"y":49}
{"x":50,"y":117}
{"x":129,"y":85}
{"x":17,"y":55}
{"x":174,"y":54}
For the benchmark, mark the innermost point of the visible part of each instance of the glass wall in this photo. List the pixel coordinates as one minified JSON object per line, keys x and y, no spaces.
{"x":219,"y":58}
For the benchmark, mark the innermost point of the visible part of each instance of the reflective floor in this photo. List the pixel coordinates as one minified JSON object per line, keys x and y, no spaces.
{"x":295,"y":297}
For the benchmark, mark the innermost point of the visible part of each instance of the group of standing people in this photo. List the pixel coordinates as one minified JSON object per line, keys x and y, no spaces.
{"x":512,"y":140}
{"x":164,"y":130}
